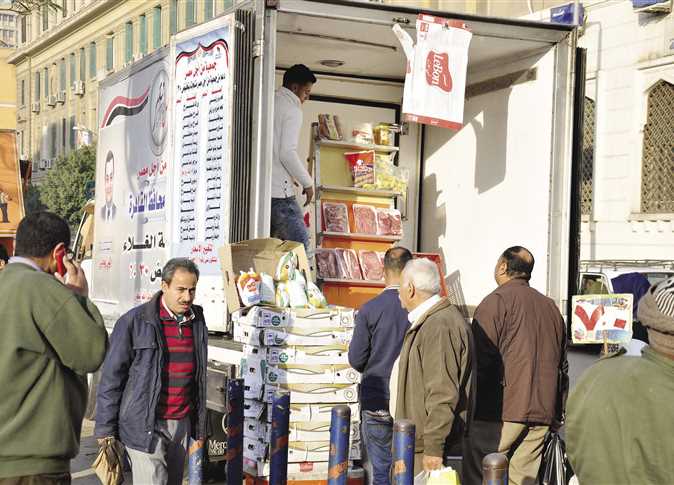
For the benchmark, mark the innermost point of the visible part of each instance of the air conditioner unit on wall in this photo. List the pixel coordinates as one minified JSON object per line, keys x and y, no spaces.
{"x":61,"y":97}
{"x":652,"y":6}
{"x":78,"y":88}
{"x":51,"y":100}
{"x":35,"y":107}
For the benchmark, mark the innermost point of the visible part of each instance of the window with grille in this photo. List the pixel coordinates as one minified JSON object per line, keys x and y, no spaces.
{"x":208,"y":10}
{"x":142,"y":31}
{"x":156,"y":27}
{"x":657,"y":169}
{"x":189,"y":13}
{"x":73,"y":68}
{"x":46,"y":83}
{"x":92,"y":60}
{"x":173,"y":16}
{"x":587,"y":163}
{"x":83,"y":64}
{"x":110,"y":52}
{"x":62,"y":74}
{"x":128,"y":48}
{"x":23,"y":92}
{"x":37,"y":86}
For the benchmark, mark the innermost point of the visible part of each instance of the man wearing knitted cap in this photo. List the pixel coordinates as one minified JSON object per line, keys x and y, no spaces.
{"x":619,"y":416}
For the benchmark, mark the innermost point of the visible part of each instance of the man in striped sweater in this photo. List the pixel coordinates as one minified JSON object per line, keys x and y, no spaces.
{"x":152,"y":394}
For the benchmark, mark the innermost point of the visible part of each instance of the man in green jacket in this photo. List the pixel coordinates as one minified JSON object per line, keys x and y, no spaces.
{"x":431,"y":380}
{"x":52,"y":337}
{"x":620,"y":414}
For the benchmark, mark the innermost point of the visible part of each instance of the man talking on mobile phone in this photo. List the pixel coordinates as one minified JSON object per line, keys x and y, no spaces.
{"x":53,"y":335}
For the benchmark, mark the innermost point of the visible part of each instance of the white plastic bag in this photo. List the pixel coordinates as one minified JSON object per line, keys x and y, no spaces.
{"x":444,"y":476}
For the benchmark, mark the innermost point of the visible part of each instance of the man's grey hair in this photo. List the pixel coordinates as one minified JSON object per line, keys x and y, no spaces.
{"x":175,"y":264}
{"x":423,"y":274}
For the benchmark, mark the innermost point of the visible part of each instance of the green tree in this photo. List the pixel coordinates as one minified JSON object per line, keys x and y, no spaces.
{"x":31,"y":199}
{"x":65,"y":188}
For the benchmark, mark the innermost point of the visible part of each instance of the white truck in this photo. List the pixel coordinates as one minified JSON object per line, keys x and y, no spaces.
{"x":185,"y":147}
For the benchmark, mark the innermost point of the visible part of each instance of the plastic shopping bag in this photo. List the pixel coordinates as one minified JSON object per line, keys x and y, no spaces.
{"x":555,"y":467}
{"x":444,"y":476}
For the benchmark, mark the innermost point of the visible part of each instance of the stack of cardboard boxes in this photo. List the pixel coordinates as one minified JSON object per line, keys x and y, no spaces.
{"x":302,"y":351}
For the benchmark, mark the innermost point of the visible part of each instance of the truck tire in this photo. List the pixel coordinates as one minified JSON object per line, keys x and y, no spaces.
{"x":92,"y":380}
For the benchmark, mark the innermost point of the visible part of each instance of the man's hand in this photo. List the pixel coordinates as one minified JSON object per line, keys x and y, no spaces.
{"x":432,"y":463}
{"x":74,"y":278}
{"x":309,"y":192}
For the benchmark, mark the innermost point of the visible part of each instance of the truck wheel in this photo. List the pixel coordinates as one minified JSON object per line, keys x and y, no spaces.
{"x":92,"y":380}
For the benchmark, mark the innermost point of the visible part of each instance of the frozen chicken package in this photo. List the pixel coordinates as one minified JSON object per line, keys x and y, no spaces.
{"x":435,"y":82}
{"x":267,"y":289}
{"x":248,"y":285}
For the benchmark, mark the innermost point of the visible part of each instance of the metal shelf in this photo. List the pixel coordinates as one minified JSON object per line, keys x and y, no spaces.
{"x":356,"y":146}
{"x":360,"y":237}
{"x":368,"y":283}
{"x":358,"y":191}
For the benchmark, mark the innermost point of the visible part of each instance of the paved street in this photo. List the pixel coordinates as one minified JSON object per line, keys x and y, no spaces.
{"x":579,"y":360}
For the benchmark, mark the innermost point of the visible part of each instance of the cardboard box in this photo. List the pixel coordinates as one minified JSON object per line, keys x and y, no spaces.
{"x":309,"y":473}
{"x":253,"y":371}
{"x":319,"y":412}
{"x":274,"y":317}
{"x":262,"y":316}
{"x":316,"y":431}
{"x":257,"y":429}
{"x":301,"y":451}
{"x":309,"y":336}
{"x":314,"y":393}
{"x":247,"y":335}
{"x":256,"y":409}
{"x":261,"y":254}
{"x":254,"y":449}
{"x":321,"y":355}
{"x":310,"y":374}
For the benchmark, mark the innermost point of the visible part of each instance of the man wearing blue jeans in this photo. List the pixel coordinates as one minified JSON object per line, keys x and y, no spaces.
{"x":287,"y":218}
{"x":377,"y":339}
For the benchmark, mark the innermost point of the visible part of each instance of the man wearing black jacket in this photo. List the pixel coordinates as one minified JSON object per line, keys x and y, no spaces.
{"x":380,"y":328}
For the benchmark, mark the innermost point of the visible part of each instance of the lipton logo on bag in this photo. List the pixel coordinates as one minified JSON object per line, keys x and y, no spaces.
{"x":437,"y":70}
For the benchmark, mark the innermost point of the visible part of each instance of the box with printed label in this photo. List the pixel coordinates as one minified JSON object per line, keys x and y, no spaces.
{"x":319,"y":412}
{"x":256,"y":409}
{"x":261,"y":317}
{"x":247,"y":335}
{"x":311,"y":374}
{"x":253,"y":372}
{"x":314,"y":431}
{"x":314,"y":393}
{"x":327,"y":354}
{"x":336,"y":317}
{"x":254,"y":449}
{"x":274,"y":337}
{"x":301,"y":451}
{"x":257,"y":429}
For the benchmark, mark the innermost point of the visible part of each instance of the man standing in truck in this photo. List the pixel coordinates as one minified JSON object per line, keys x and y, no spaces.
{"x":4,"y":204}
{"x":152,"y":393}
{"x":287,"y":219}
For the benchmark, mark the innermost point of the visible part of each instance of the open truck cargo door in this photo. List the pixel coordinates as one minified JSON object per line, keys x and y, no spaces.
{"x":501,"y":180}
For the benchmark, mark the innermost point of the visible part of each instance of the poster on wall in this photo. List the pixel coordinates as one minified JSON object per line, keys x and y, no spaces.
{"x":203,"y":88}
{"x":11,"y":196}
{"x":597,"y":319}
{"x":132,"y":178}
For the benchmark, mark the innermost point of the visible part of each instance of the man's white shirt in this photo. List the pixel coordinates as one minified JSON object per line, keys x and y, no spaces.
{"x":287,"y":166}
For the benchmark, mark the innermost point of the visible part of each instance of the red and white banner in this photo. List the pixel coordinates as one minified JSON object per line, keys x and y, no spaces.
{"x":435,"y":83}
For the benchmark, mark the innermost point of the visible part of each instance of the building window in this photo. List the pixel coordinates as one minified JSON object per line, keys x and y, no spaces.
{"x":208,"y":9}
{"x":156,"y":27}
{"x":227,"y":4}
{"x":73,"y":68}
{"x":72,"y":132}
{"x":24,"y":28}
{"x":23,"y":92}
{"x":173,"y":16}
{"x":587,"y":163}
{"x":189,"y":13}
{"x":92,"y":60}
{"x":110,"y":52}
{"x":45,"y":17}
{"x":657,"y":169}
{"x":46,"y":83}
{"x":62,"y":74}
{"x":64,"y":8}
{"x":83,"y":64}
{"x":128,"y":48}
{"x":37,"y":85}
{"x":53,"y":140}
{"x":142,"y":31}
{"x":64,"y":129}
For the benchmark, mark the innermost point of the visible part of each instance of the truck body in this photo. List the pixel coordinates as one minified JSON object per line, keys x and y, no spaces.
{"x":11,"y":189}
{"x":505,"y":178}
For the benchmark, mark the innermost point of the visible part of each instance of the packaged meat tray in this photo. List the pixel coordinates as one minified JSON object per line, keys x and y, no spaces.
{"x":372,"y":265}
{"x":348,"y":263}
{"x":389,"y":222}
{"x":328,"y":266}
{"x":365,"y":219}
{"x":336,"y":217}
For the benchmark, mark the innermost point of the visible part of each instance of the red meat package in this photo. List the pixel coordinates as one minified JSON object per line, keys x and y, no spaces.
{"x":335,"y":217}
{"x":328,"y":266}
{"x":361,"y":165}
{"x":348,"y":262}
{"x":365,"y":219}
{"x":372,"y":265}
{"x":389,"y":222}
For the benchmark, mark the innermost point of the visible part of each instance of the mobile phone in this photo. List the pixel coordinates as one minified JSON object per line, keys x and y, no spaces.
{"x":60,"y":265}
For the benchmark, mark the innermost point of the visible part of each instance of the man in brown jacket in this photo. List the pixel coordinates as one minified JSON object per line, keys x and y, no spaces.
{"x":433,"y":373}
{"x":520,"y":343}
